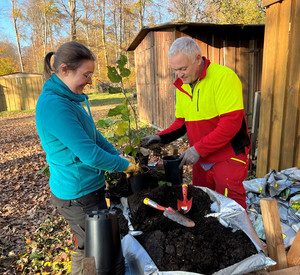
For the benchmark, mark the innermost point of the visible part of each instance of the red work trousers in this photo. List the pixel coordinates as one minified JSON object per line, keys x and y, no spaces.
{"x":225,"y":177}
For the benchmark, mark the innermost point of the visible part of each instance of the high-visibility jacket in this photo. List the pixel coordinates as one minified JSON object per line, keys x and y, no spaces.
{"x":212,"y":115}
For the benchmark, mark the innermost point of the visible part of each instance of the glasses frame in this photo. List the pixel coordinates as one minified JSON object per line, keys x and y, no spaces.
{"x":87,"y":76}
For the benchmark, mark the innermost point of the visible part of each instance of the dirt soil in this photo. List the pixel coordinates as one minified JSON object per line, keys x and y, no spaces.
{"x":205,"y":248}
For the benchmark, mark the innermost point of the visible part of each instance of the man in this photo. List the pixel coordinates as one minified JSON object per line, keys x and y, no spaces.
{"x":209,"y":108}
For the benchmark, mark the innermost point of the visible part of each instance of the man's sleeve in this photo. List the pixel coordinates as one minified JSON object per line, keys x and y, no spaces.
{"x":175,"y":131}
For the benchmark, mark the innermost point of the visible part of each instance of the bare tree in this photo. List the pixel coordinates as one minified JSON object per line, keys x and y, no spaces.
{"x":102,"y":15}
{"x":16,"y":14}
{"x":186,"y":10}
{"x":72,"y":13}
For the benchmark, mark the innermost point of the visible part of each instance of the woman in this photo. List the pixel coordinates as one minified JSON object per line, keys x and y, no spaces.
{"x":77,"y":153}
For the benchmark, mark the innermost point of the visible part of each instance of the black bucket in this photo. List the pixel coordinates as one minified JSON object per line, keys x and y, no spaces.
{"x":102,"y":241}
{"x":172,"y":171}
{"x":139,"y":182}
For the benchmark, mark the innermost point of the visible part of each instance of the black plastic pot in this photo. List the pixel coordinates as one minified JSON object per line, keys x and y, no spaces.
{"x":139,"y":182}
{"x":172,"y":171}
{"x":141,"y":159}
{"x":102,"y":241}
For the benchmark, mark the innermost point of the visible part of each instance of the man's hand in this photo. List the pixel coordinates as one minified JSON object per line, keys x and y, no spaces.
{"x":189,"y":157}
{"x":148,"y":140}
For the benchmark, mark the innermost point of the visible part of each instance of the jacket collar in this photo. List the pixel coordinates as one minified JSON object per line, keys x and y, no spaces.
{"x":60,"y":88}
{"x":178,"y":82}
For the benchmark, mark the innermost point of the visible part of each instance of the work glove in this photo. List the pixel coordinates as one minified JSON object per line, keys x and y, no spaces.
{"x":130,"y":170}
{"x":189,"y":157}
{"x":148,"y":140}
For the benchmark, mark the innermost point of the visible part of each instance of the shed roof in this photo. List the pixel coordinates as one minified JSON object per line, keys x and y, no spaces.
{"x":181,"y":26}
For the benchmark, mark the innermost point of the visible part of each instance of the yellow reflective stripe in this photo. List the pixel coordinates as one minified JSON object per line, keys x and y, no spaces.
{"x":226,"y":192}
{"x":238,"y":160}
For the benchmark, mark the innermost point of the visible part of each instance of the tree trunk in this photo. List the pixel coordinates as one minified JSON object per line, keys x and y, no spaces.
{"x":120,"y":27}
{"x":45,"y":31}
{"x":142,"y":12}
{"x":102,"y":16}
{"x":86,"y":22}
{"x":15,"y":18}
{"x":72,"y":7}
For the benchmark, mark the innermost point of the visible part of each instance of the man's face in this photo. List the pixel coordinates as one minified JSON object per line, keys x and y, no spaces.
{"x":185,"y":68}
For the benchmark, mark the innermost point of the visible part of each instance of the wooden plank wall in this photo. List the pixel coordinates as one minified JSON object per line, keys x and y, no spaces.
{"x":156,"y":93}
{"x":19,"y":92}
{"x":156,"y":96}
{"x":279,"y":128}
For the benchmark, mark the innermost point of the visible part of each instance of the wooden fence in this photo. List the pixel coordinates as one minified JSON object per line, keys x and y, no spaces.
{"x":20,"y":91}
{"x":279,"y":127}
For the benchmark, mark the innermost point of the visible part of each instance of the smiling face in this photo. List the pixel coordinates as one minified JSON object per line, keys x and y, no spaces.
{"x":77,"y":79}
{"x":186,"y":68}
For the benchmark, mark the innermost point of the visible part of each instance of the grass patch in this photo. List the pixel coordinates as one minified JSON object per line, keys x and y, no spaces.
{"x":100,"y":99}
{"x":8,"y":113}
{"x":95,"y":99}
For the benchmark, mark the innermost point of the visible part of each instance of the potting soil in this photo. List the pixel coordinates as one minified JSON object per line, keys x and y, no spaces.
{"x":205,"y":248}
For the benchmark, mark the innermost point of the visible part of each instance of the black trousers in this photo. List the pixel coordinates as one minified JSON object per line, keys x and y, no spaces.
{"x":74,"y":212}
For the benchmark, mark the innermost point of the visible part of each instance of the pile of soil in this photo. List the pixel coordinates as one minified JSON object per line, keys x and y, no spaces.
{"x":118,"y":185}
{"x":205,"y":248}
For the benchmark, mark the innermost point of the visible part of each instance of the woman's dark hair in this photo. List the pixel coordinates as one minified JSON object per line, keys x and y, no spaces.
{"x":70,"y":53}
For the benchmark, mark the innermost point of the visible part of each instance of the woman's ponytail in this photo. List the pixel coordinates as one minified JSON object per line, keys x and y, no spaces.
{"x":47,"y":65}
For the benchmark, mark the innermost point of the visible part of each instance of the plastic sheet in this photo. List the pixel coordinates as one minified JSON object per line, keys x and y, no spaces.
{"x":284,"y":186}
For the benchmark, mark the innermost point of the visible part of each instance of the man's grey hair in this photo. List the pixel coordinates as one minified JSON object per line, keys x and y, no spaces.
{"x":186,"y":45}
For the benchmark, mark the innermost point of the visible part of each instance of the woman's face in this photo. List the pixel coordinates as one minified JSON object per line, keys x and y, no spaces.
{"x":77,"y":79}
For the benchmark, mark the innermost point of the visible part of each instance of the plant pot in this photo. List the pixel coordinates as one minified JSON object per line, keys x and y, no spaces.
{"x":172,"y":171}
{"x":139,"y":182}
{"x":102,"y":241}
{"x":141,"y":159}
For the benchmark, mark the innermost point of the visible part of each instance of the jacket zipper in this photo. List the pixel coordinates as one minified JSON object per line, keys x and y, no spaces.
{"x":192,"y":87}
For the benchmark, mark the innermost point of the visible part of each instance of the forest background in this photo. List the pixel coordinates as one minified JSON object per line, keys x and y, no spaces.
{"x":107,"y":27}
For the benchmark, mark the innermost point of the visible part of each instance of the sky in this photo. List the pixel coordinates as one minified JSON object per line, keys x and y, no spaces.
{"x":6,"y":26}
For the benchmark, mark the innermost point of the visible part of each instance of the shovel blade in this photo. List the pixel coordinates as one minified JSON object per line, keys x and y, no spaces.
{"x":179,"y":218}
{"x":184,"y":206}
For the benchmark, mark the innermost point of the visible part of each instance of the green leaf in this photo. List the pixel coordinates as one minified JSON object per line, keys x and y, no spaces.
{"x":110,"y":134}
{"x":45,"y":170}
{"x":123,"y":141}
{"x":113,"y":75}
{"x":161,"y":183}
{"x":116,"y":111}
{"x":125,"y":114}
{"x":122,"y":62}
{"x":36,"y":255}
{"x":114,"y":90}
{"x":122,"y":128}
{"x":125,"y":72}
{"x":136,"y":141}
{"x":130,"y":150}
{"x":102,"y":123}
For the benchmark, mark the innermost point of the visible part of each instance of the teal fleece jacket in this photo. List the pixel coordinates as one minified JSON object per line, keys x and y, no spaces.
{"x":77,"y":153}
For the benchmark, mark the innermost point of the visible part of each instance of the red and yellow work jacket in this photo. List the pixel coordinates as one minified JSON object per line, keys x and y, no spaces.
{"x":212,"y":115}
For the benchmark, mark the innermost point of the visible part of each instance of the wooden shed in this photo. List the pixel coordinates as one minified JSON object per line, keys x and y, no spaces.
{"x":279,"y":127}
{"x":235,"y":46}
{"x":20,"y":91}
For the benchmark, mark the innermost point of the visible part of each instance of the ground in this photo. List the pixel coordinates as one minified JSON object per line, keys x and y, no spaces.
{"x":33,"y":237}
